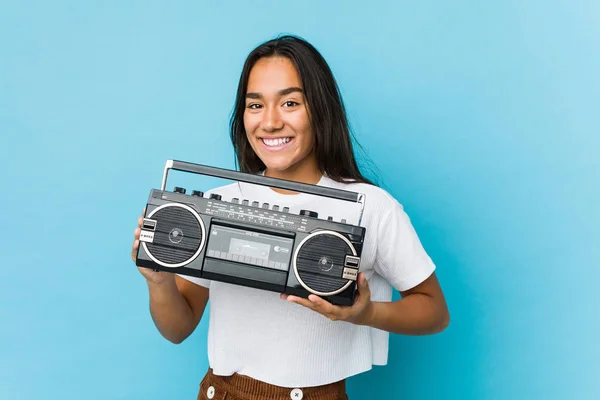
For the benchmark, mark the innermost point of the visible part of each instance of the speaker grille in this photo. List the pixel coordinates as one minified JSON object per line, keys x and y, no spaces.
{"x":177,"y":237}
{"x":320,"y":262}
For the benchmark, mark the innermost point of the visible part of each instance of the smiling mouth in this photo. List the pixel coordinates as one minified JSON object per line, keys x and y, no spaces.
{"x":276,"y":143}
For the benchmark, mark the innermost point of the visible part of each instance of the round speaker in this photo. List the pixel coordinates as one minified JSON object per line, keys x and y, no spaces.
{"x":319,"y":262}
{"x":179,"y":235}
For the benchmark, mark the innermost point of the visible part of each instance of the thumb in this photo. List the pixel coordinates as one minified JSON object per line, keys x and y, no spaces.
{"x":363,"y":285}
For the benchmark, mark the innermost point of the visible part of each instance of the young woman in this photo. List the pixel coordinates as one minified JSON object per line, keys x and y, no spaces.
{"x":289,"y":122}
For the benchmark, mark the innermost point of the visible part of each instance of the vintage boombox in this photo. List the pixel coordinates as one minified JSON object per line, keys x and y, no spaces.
{"x":249,"y":243}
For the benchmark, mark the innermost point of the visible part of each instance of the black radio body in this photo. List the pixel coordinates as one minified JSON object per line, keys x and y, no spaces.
{"x":246,"y":242}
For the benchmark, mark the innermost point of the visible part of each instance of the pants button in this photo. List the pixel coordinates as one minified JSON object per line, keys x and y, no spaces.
{"x":296,"y":394}
{"x":210,"y":393}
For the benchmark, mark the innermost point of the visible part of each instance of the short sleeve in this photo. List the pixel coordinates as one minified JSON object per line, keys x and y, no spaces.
{"x":400,"y":258}
{"x":198,"y":281}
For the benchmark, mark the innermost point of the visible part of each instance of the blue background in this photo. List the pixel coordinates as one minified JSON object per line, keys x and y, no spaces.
{"x":482,"y":119}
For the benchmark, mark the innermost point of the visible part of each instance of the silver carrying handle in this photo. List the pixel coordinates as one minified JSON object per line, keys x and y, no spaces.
{"x":264,"y":181}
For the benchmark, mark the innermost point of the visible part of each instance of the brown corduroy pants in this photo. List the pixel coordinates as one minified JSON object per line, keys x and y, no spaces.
{"x":240,"y":387}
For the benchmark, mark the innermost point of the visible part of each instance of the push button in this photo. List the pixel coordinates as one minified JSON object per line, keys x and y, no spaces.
{"x":296,"y":394}
{"x":210,"y":393}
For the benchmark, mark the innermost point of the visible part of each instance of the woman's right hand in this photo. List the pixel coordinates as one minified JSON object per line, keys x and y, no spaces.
{"x":148,"y":273}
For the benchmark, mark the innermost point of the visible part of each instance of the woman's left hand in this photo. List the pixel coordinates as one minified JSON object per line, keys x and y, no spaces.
{"x":360,"y":313}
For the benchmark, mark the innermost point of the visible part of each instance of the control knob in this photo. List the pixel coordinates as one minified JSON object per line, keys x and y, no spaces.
{"x":215,"y":196}
{"x":179,"y":190}
{"x":309,"y":213}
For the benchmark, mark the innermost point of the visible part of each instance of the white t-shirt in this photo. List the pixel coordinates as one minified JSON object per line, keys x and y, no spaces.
{"x":253,"y":332}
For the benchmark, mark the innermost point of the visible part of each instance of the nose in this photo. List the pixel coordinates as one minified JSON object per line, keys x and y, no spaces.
{"x":271,"y":120}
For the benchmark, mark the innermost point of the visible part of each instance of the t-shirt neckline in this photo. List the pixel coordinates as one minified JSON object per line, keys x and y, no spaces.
{"x":260,"y":190}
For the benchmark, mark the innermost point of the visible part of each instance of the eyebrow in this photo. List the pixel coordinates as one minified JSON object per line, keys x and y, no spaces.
{"x":282,"y":92}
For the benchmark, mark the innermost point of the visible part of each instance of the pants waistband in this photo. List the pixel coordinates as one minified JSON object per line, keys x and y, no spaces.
{"x":244,"y":387}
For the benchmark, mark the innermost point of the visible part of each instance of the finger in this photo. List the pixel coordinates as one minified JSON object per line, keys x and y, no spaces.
{"x":319,"y":305}
{"x":140,"y":220}
{"x":302,"y":301}
{"x":363,"y":284}
{"x":323,"y":306}
{"x":364,"y":292}
{"x":136,"y":233}
{"x":331,"y":311}
{"x":134,"y":247}
{"x":283,"y":296}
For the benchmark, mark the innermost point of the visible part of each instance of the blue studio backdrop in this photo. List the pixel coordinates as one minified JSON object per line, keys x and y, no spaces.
{"x":481,"y":118}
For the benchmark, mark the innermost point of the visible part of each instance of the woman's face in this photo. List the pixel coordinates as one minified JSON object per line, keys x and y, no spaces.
{"x":276,"y":118}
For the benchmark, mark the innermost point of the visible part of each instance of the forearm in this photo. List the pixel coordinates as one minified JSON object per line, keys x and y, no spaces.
{"x":170,"y":311}
{"x":415,"y":314}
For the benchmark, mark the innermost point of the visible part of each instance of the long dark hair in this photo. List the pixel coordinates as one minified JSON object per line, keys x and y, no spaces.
{"x":333,"y":144}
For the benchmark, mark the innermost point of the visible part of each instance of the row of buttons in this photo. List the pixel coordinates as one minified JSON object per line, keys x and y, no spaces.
{"x":244,"y":202}
{"x":256,"y":204}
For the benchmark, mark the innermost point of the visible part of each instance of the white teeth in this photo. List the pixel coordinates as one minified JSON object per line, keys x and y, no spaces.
{"x":275,"y":142}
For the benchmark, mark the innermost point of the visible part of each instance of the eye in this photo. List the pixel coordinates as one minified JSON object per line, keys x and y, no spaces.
{"x":253,"y":106}
{"x":290,"y":103}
